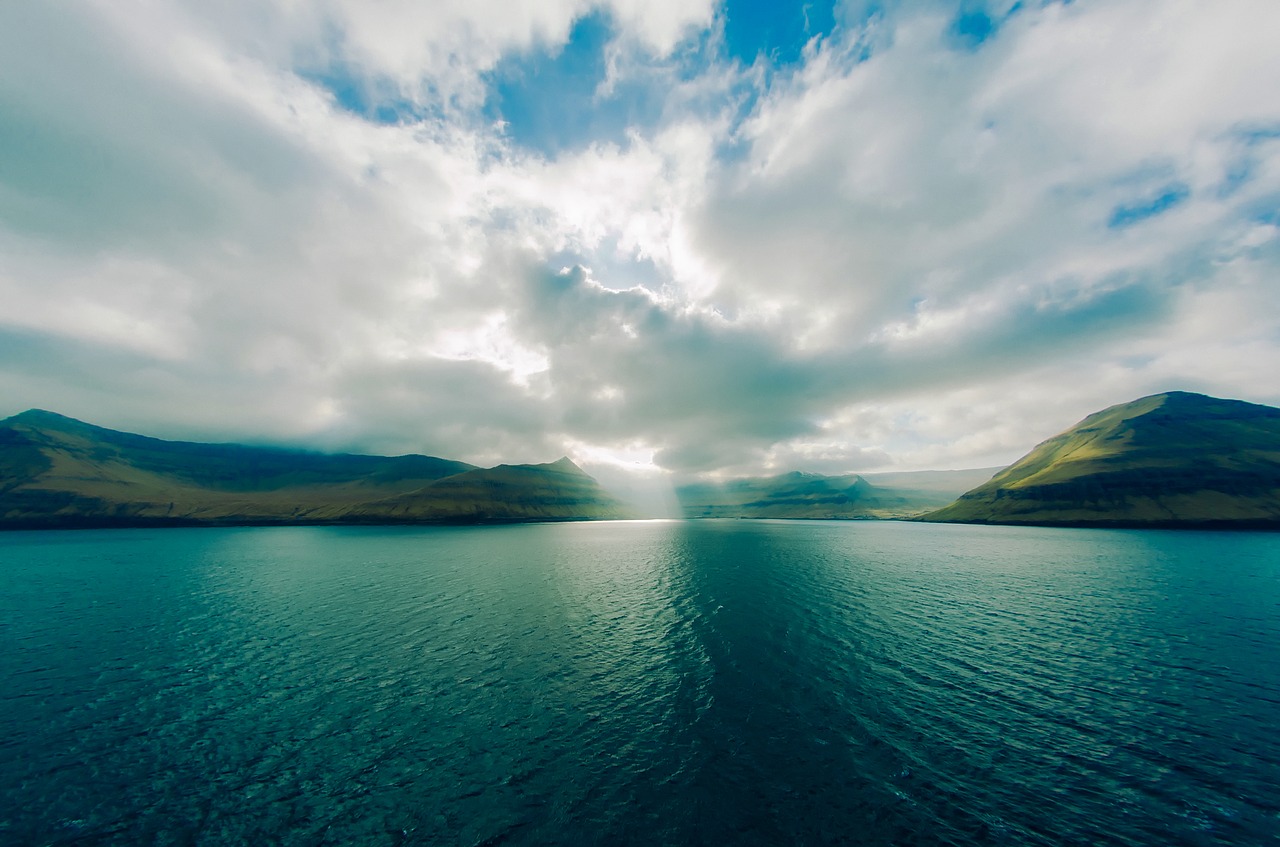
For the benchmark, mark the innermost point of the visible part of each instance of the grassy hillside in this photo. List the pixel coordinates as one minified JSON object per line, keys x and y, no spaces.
{"x":56,"y":471}
{"x":1175,"y":459}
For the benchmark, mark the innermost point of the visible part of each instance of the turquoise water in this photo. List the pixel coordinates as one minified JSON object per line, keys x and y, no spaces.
{"x":710,"y":682}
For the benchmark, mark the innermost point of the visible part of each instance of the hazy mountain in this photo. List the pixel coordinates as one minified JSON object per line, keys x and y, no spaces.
{"x":508,"y":492}
{"x":1175,"y":459}
{"x":945,"y":484}
{"x":56,"y":471}
{"x":805,"y":495}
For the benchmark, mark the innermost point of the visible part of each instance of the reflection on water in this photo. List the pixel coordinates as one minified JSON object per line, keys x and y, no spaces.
{"x":667,"y":682}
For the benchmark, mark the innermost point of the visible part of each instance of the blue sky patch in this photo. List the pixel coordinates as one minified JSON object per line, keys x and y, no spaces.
{"x":973,"y":27}
{"x":975,"y":24}
{"x":779,"y":31}
{"x":1243,"y":168}
{"x":1238,"y":173}
{"x":548,"y":98}
{"x":365,"y":98}
{"x":1267,"y":211}
{"x":1128,"y":214}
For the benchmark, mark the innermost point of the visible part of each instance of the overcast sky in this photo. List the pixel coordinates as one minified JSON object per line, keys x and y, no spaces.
{"x":658,"y":234}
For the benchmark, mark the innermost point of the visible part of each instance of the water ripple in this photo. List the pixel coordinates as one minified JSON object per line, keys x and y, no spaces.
{"x":675,"y":683}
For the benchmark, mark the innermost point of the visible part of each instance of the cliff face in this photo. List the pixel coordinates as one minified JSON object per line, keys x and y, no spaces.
{"x":56,"y":471}
{"x":1175,"y":459}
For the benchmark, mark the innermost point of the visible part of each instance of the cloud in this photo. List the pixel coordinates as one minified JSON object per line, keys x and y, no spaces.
{"x":920,"y":239}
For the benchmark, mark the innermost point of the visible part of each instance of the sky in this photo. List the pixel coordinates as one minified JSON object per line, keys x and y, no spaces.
{"x":675,"y":238}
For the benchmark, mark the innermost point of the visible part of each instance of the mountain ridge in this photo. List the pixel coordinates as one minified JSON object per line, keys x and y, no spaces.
{"x":60,"y":471}
{"x":1175,"y":459}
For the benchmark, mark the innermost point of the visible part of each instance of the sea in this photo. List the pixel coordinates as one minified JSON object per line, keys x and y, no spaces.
{"x":649,"y":683}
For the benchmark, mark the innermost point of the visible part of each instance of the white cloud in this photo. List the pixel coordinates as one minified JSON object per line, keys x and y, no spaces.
{"x":902,"y":254}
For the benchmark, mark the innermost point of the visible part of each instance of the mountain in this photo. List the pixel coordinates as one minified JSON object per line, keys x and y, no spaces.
{"x":941,"y":485}
{"x":57,"y":471}
{"x":1170,"y":460}
{"x":508,"y":492}
{"x":815,"y":496}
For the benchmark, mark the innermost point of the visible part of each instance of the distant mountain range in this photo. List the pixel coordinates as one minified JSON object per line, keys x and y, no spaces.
{"x":1169,"y":460}
{"x":59,"y":472}
{"x":815,"y":496}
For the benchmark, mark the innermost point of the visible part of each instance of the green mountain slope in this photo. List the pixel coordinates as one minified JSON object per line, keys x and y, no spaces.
{"x":56,"y":471}
{"x":1175,"y":459}
{"x":507,"y":492}
{"x":815,"y":496}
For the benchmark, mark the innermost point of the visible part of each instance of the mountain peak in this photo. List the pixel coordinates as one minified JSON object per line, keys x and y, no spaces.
{"x":1173,"y":459}
{"x":43,"y":417}
{"x":54,"y":423}
{"x":1184,"y":401}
